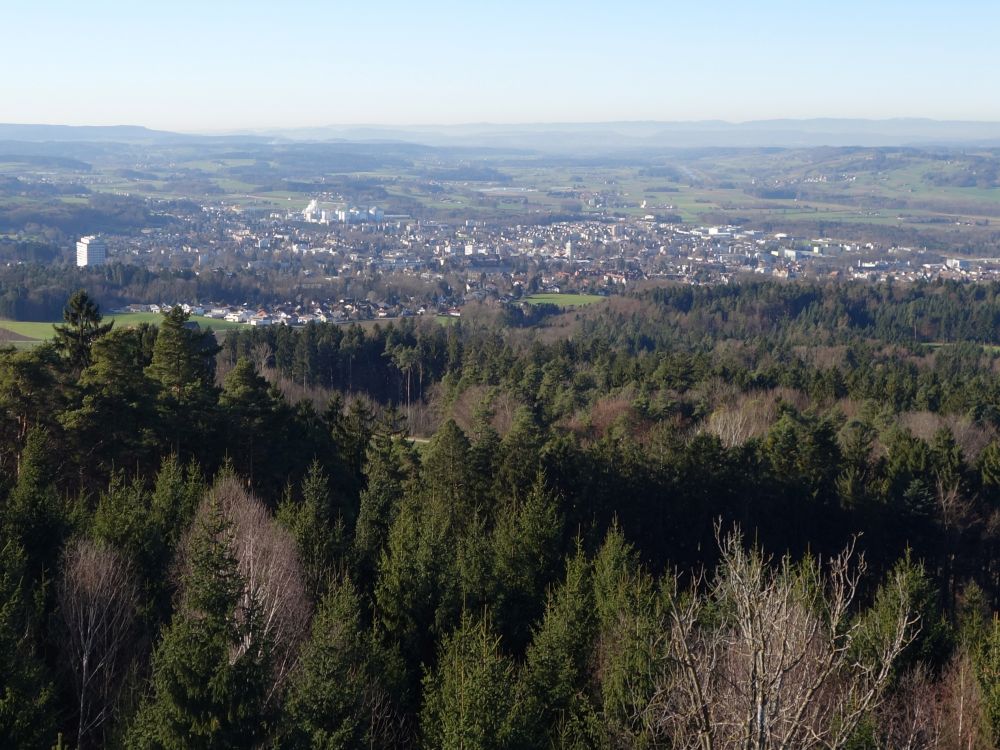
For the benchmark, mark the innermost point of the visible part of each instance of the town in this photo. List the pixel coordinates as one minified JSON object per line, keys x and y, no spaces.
{"x":397,"y":266}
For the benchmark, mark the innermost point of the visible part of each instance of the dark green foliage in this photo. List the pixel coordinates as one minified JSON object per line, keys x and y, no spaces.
{"x":470,"y":700}
{"x":629,"y":623}
{"x":518,"y":456}
{"x":256,"y":413}
{"x":352,"y":433}
{"x":27,"y":707}
{"x":34,"y":516}
{"x":379,"y":503}
{"x":557,"y":671}
{"x":182,"y":359}
{"x":176,"y":494}
{"x":445,"y":474}
{"x":788,"y":409}
{"x":30,"y":396}
{"x":525,"y":546}
{"x":82,"y":327}
{"x":988,"y":668}
{"x":183,"y":367}
{"x":327,"y":699}
{"x":318,"y":527}
{"x":210,"y":670}
{"x":114,"y":416}
{"x":124,"y":521}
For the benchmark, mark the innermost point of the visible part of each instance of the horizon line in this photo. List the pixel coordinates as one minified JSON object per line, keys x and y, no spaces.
{"x":512,"y":124}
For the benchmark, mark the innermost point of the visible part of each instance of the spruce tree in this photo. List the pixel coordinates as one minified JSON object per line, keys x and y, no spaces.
{"x":210,"y":670}
{"x":176,"y":494}
{"x":629,"y":626}
{"x":326,"y":699}
{"x":379,"y":504}
{"x":320,"y":534}
{"x":470,"y":699}
{"x":26,"y":696}
{"x":987,"y":662}
{"x":556,"y":682}
{"x":525,"y":547}
{"x":34,"y":515}
{"x":123,"y":521}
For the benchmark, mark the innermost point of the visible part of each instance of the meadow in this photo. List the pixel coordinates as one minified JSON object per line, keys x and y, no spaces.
{"x":564,"y":300}
{"x":42,"y":330}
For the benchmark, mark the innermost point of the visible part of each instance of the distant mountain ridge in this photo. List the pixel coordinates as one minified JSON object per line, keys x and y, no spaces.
{"x":115,"y":133}
{"x":696,"y":134}
{"x":40,"y":133}
{"x":570,"y":137}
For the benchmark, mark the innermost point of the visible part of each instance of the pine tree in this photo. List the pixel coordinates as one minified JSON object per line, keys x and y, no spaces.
{"x":82,"y":327}
{"x":30,"y":395}
{"x":183,"y":357}
{"x":114,"y":423}
{"x":183,"y":366}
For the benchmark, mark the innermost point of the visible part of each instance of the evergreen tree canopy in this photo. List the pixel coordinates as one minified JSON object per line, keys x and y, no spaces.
{"x":82,"y":327}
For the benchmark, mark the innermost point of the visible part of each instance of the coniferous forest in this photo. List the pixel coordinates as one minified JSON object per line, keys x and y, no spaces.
{"x":757,"y":515}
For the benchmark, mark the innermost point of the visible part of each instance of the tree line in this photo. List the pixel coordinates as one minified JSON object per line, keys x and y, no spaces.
{"x":619,"y":539}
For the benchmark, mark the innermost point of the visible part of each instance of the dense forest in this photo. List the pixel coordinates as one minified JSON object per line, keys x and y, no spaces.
{"x":759,"y":516}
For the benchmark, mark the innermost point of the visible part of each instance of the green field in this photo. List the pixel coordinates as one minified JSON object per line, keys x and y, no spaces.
{"x":40,"y":331}
{"x":564,"y":300}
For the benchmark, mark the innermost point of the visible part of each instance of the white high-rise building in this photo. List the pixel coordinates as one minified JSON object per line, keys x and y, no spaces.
{"x":91,"y":251}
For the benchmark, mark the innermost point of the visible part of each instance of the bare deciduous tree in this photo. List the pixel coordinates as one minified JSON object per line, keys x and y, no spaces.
{"x":261,"y":355}
{"x":770,"y":656}
{"x":387,"y":726}
{"x":924,"y":714}
{"x":745,"y":418}
{"x":272,"y":576}
{"x":97,"y":597}
{"x":910,"y":719}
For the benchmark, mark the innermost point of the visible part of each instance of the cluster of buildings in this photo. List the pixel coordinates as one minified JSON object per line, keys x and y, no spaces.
{"x":493,"y":259}
{"x":343,"y":214}
{"x":329,"y":311}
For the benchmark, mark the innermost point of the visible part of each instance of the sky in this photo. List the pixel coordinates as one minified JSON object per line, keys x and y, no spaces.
{"x":222,"y":65}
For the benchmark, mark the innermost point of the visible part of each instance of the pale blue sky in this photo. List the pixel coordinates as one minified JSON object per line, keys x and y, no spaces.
{"x":228,"y":64}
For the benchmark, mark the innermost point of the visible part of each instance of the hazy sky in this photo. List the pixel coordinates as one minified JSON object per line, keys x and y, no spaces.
{"x":228,"y":64}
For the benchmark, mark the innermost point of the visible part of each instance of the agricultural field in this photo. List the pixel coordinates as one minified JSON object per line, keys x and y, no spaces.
{"x":28,"y":332}
{"x":564,"y":300}
{"x":913,"y":197}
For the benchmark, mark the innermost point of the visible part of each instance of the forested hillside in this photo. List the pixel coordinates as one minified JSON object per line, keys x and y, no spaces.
{"x":757,"y":516}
